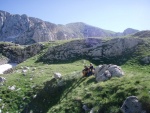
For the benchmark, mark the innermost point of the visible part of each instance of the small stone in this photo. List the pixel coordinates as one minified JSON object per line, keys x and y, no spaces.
{"x":3,"y":105}
{"x":31,"y":78}
{"x":12,"y":87}
{"x":34,"y":96}
{"x":85,"y":107}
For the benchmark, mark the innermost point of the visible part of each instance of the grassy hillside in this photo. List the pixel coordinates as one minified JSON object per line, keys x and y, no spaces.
{"x":38,"y":92}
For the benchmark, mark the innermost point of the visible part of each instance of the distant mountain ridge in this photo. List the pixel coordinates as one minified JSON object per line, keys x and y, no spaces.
{"x":27,"y":30}
{"x":143,"y":34}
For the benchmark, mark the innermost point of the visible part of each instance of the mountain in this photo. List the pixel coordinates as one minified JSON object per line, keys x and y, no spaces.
{"x":142,"y":34}
{"x":129,"y":31}
{"x":89,"y":31}
{"x":22,"y":29}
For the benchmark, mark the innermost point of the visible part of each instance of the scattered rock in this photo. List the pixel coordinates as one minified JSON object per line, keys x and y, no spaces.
{"x":34,"y":96}
{"x":12,"y":87}
{"x":26,"y":68}
{"x":21,"y":67}
{"x":92,"y":110}
{"x":2,"y":80}
{"x":57,"y":76}
{"x":105,"y":72}
{"x":3,"y":105}
{"x":132,"y":105}
{"x":34,"y":69}
{"x":31,"y":78}
{"x":85,"y":107}
{"x":24,"y":71}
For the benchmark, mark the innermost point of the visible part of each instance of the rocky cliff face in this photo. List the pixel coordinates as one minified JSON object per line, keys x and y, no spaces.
{"x":94,"y":49}
{"x":23,"y":29}
{"x":15,"y":53}
{"x":27,"y":30}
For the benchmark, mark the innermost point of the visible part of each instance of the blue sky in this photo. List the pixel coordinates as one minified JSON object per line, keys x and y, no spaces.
{"x":115,"y":15}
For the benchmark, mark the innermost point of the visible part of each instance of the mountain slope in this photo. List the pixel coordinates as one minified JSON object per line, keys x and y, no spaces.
{"x":89,"y":31}
{"x":22,"y":29}
{"x":129,"y":31}
{"x":37,"y":91}
{"x":25,"y":30}
{"x":142,"y":34}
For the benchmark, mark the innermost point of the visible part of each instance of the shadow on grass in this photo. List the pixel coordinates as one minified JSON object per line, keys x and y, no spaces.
{"x":51,"y":95}
{"x":74,"y":85}
{"x":91,"y":80}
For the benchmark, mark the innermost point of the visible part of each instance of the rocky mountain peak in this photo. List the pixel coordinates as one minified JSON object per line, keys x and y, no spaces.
{"x":129,"y":31}
{"x":22,"y":29}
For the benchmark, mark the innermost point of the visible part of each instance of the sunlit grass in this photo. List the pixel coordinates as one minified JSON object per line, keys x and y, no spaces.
{"x":37,"y":90}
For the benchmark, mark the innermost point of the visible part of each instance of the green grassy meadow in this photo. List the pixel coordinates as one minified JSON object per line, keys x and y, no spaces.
{"x":38,"y":92}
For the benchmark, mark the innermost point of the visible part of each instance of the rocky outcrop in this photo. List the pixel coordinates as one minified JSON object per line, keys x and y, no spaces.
{"x":23,"y":29}
{"x":145,"y":60}
{"x":105,"y":72}
{"x":17,"y":53}
{"x":93,"y":49}
{"x":3,"y":60}
{"x":132,"y":105}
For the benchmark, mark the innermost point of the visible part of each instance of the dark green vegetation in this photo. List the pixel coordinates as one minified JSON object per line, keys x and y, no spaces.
{"x":39,"y":92}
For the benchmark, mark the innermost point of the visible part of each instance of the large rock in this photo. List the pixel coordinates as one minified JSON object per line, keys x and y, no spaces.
{"x":132,"y":105}
{"x":105,"y":72}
